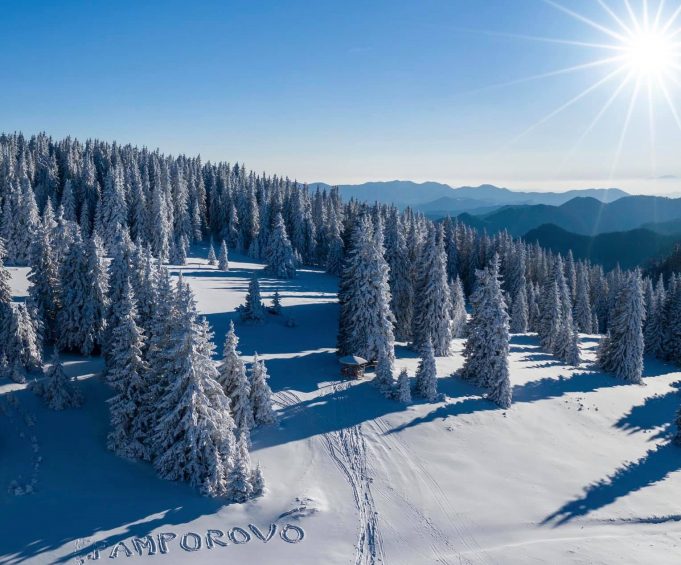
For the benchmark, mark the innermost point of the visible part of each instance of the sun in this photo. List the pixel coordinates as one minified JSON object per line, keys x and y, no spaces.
{"x":639,"y":52}
{"x":651,"y":54}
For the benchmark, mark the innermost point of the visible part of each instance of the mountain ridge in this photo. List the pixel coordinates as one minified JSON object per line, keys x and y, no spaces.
{"x":428,"y":196}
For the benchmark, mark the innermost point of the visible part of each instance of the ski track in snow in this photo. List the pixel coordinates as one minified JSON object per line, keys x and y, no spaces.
{"x":440,"y":543}
{"x":347,"y":448}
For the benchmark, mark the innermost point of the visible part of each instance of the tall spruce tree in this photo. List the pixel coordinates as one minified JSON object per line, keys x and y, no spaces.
{"x":487,"y":346}
{"x":621,"y":351}
{"x":194,"y":430}
{"x":432,"y":302}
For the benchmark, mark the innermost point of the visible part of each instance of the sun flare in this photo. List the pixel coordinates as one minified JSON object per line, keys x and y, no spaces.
{"x":651,"y":54}
{"x":640,"y":55}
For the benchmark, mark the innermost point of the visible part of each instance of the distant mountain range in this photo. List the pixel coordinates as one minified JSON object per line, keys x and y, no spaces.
{"x":439,"y":200}
{"x":608,"y":226}
{"x":586,"y":216}
{"x":629,"y":248}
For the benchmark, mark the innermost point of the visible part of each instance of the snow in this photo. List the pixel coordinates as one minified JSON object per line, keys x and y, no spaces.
{"x":578,"y":470}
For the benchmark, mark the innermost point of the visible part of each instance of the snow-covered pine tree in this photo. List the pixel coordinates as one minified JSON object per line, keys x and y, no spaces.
{"x":253,"y":310}
{"x":56,"y":389}
{"x":400,"y":278}
{"x":31,"y":354}
{"x":551,"y":317}
{"x":43,"y":294}
{"x":567,"y":345}
{"x":194,"y":431}
{"x":240,"y":477}
{"x":371,"y":321}
{"x":159,"y":355}
{"x":75,"y":277}
{"x":583,"y":316}
{"x":234,"y":381}
{"x":336,"y":246}
{"x":223,"y":259}
{"x":280,"y":258}
{"x":126,"y":372}
{"x":459,"y":315}
{"x":486,"y":350}
{"x":257,"y":481}
{"x":621,"y":351}
{"x":426,"y":374}
{"x":276,"y":304}
{"x":403,"y":387}
{"x":261,"y":394}
{"x":520,"y":311}
{"x":655,"y":321}
{"x":432,"y":302}
{"x":97,"y":299}
{"x":671,"y":339}
{"x":113,"y":211}
{"x":232,"y":368}
{"x":10,"y":337}
{"x":383,"y":378}
{"x":212,"y":259}
{"x":119,"y":272}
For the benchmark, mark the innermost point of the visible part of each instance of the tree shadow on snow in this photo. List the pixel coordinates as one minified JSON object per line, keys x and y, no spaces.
{"x":652,"y":468}
{"x":657,"y":412}
{"x":71,"y":499}
{"x":533,"y":391}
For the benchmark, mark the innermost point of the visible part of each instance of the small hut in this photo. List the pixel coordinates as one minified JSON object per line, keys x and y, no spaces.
{"x":352,"y":366}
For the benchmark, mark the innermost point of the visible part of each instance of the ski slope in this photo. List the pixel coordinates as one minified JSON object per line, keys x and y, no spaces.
{"x":579,"y":470}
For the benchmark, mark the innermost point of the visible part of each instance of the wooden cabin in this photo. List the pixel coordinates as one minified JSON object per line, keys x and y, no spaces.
{"x":352,"y":366}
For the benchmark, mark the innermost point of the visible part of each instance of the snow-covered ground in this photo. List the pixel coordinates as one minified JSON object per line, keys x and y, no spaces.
{"x":579,"y":470}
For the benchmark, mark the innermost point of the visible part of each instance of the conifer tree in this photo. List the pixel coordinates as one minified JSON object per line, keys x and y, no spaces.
{"x":234,"y":381}
{"x":75,"y":276}
{"x":261,"y":394}
{"x":257,"y":481}
{"x":126,"y":372}
{"x":276,"y":304}
{"x":403,"y":387}
{"x":56,"y":389}
{"x":486,"y":350}
{"x":459,"y":315}
{"x":232,"y":369}
{"x":212,"y":259}
{"x":655,"y":321}
{"x":43,"y":294}
{"x":367,"y":306}
{"x":240,"y":477}
{"x":223,"y":260}
{"x":280,"y":258}
{"x":583,"y":316}
{"x":426,"y":375}
{"x":432,"y":302}
{"x":621,"y":351}
{"x":194,"y":431}
{"x":253,"y":310}
{"x":520,"y":312}
{"x":400,"y":278}
{"x":159,"y":356}
{"x":31,"y":354}
{"x":384,"y":379}
{"x":551,"y":316}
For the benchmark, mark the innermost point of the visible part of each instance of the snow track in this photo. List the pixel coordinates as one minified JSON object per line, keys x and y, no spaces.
{"x":397,"y":458}
{"x":347,"y":448}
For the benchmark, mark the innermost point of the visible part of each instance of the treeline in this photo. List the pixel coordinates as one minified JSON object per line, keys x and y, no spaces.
{"x":97,"y":221}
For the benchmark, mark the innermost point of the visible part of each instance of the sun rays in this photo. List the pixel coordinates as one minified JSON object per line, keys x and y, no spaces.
{"x":642,"y":41}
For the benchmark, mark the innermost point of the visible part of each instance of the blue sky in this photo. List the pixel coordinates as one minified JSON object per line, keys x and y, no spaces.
{"x":337,"y":91}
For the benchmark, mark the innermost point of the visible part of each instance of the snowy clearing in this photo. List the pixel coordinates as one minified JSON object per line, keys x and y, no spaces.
{"x":578,"y":470}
